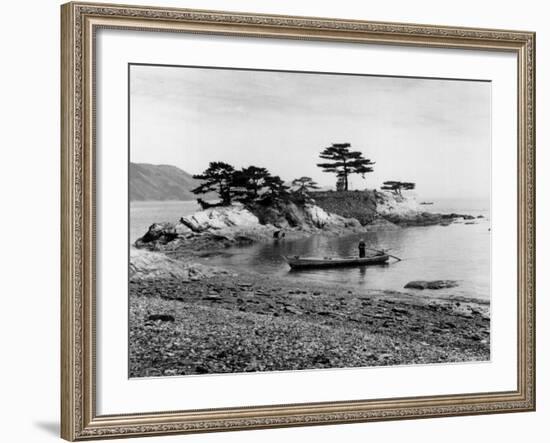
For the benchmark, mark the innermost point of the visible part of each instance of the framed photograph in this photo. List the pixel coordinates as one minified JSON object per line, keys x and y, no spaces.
{"x":277,"y":221}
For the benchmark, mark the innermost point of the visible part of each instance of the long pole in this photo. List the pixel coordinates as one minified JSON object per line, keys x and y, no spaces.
{"x":384,"y":252}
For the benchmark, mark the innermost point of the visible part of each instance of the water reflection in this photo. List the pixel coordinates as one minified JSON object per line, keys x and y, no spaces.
{"x":457,"y":252}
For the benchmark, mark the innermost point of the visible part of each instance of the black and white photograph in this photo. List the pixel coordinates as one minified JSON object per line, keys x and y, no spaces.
{"x":285,"y":220}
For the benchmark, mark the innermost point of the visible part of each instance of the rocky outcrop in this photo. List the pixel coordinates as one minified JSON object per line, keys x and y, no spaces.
{"x":238,"y":225}
{"x":425,"y":219}
{"x":305,"y":217}
{"x":220,"y":218}
{"x":283,"y":215}
{"x":214,"y":227}
{"x":165,"y":232}
{"x":390,"y":205}
{"x":370,"y":207}
{"x":147,"y":265}
{"x":404,"y":210}
{"x":224,"y":226}
{"x":318,"y":218}
{"x":360,"y":205}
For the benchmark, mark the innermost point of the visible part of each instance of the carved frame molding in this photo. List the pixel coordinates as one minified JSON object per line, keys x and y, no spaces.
{"x":79,"y":23}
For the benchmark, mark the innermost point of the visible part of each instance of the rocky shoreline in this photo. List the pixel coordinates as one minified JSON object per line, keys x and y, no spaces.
{"x":239,"y":225}
{"x":215,"y":321}
{"x":190,"y":318}
{"x":222,"y":227}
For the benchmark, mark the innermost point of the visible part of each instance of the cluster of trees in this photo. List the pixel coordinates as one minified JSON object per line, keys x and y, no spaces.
{"x":248,"y":185}
{"x":343,"y":162}
{"x":254,"y":184}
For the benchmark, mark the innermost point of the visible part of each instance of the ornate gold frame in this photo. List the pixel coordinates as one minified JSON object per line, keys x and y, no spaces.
{"x":79,"y":420}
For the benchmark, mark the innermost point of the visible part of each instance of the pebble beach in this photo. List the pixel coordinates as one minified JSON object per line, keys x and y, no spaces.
{"x":225,"y":323}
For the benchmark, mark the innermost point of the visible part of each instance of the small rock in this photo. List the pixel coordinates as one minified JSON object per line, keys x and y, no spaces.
{"x":321,"y":359}
{"x":464,"y":315}
{"x":432,"y":284}
{"x":161,"y":317}
{"x":399,"y":310}
{"x":293,"y":310}
{"x":316,"y":293}
{"x":212,"y":296}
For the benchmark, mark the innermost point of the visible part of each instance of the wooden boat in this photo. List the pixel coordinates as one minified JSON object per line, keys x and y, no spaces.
{"x":297,"y":262}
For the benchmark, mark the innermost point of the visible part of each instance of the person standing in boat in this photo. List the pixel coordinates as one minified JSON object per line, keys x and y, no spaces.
{"x":362,"y":247}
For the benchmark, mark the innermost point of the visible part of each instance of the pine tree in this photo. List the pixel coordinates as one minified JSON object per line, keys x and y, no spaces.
{"x":276,"y":190}
{"x":396,"y":187}
{"x":218,"y":177}
{"x":304,"y":185}
{"x":344,"y":162}
{"x":251,"y":182}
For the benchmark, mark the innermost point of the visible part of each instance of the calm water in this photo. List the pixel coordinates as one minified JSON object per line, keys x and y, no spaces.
{"x":455,"y":252}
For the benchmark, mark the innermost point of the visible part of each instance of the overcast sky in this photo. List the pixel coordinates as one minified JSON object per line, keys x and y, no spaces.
{"x":435,"y":133}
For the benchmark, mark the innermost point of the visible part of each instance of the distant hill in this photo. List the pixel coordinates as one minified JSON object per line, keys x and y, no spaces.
{"x":162,"y":182}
